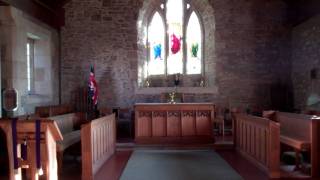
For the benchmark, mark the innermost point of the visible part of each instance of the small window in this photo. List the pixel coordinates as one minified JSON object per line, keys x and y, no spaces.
{"x":30,"y":64}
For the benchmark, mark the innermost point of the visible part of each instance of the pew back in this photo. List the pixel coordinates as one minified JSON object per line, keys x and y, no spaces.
{"x":47,"y":111}
{"x":257,"y":139}
{"x":98,"y":140}
{"x":69,"y":122}
{"x":294,"y":125}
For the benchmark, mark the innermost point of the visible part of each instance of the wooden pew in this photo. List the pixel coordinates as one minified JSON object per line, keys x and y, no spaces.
{"x":257,"y":139}
{"x":26,"y":130}
{"x":69,"y":126}
{"x":301,"y":132}
{"x":98,"y":140}
{"x":47,"y":111}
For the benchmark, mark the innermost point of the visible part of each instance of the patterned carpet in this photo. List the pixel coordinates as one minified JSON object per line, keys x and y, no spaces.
{"x":178,"y":165}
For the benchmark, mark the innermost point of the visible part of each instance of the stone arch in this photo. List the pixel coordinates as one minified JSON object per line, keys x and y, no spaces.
{"x":206,"y":13}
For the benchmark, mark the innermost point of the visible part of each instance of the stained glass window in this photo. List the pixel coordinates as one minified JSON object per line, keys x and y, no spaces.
{"x":156,"y":38}
{"x":175,"y":31}
{"x":194,"y":45}
{"x":175,"y":40}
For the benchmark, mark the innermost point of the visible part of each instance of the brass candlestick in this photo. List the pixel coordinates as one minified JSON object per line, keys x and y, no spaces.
{"x":172,"y":96}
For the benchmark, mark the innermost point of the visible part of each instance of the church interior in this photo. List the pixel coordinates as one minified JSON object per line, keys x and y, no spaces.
{"x":159,"y":89}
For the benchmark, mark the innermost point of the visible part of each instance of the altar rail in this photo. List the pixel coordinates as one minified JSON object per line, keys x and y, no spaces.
{"x":162,"y":123}
{"x":98,"y":140}
{"x":258,"y":140}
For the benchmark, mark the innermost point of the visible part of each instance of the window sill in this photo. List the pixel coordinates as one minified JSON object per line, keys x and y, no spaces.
{"x":186,"y":90}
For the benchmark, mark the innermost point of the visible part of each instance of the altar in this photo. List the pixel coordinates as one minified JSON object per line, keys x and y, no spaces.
{"x":162,"y":123}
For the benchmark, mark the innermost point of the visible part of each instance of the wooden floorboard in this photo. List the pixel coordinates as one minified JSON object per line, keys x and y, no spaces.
{"x":114,"y":166}
{"x":247,"y":170}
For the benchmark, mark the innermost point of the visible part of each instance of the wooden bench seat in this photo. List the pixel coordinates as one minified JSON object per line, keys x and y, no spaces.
{"x":295,"y":142}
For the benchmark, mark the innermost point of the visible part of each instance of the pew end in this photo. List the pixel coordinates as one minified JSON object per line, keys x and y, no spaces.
{"x":98,"y":142}
{"x":257,"y":139}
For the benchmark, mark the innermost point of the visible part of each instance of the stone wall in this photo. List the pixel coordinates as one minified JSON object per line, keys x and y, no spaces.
{"x":305,"y":58}
{"x":247,"y":50}
{"x":15,"y":28}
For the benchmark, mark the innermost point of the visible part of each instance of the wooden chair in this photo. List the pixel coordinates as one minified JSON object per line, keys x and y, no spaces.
{"x":125,"y":120}
{"x":219,"y":120}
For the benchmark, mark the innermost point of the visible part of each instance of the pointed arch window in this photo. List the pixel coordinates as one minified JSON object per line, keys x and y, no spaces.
{"x":156,"y":38}
{"x":175,"y":40}
{"x":194,"y":45}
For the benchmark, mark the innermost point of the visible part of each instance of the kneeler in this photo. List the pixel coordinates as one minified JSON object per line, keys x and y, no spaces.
{"x":31,"y":145}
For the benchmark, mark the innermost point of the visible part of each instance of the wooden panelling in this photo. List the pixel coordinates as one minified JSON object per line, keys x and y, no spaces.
{"x":188,"y":123}
{"x":144,"y":124}
{"x":203,"y":123}
{"x":162,"y":123}
{"x":159,"y":123}
{"x":174,"y":123}
{"x":98,"y":140}
{"x":258,"y":139}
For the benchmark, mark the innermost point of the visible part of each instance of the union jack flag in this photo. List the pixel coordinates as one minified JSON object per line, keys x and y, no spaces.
{"x":93,"y":87}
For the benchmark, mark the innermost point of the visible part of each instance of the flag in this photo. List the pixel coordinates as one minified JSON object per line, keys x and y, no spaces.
{"x":93,"y":87}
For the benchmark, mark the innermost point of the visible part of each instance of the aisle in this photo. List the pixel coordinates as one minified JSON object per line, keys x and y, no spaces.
{"x":176,"y":165}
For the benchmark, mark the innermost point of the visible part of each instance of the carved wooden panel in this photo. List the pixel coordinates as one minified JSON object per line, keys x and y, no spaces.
{"x":203,"y":123}
{"x":144,"y":124}
{"x":163,"y":122}
{"x":159,"y":128}
{"x":173,"y":123}
{"x":188,"y":123}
